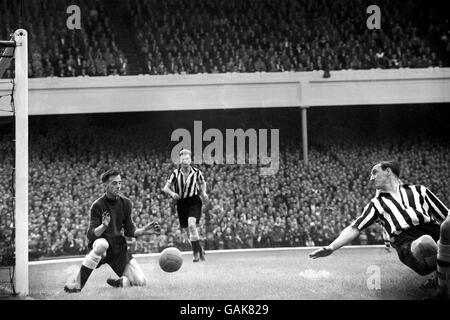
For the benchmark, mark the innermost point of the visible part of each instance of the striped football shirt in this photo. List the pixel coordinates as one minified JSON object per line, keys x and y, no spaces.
{"x":415,"y":206}
{"x":188,"y":186}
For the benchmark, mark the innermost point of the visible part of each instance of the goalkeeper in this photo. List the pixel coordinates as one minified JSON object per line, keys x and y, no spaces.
{"x":109,"y":214}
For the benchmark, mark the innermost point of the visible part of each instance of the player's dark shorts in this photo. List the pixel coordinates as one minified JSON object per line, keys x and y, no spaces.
{"x":189,"y":207}
{"x":402,"y":243}
{"x":117,"y":255}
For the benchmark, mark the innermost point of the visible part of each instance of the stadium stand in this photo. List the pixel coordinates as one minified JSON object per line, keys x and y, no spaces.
{"x":275,"y":36}
{"x":56,"y":51}
{"x":194,"y":36}
{"x":299,"y":206}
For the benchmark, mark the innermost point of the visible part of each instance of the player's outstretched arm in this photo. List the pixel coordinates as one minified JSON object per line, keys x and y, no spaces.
{"x":150,"y":228}
{"x":347,"y":236}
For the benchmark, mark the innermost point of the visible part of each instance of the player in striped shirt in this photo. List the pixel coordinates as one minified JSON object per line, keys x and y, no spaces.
{"x":184,"y":185}
{"x":416,"y":220}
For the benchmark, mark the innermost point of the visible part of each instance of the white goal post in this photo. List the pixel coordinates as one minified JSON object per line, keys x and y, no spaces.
{"x":19,"y":46}
{"x":21,"y":120}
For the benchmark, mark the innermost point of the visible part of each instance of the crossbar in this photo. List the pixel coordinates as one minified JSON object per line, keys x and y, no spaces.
{"x":7,"y":44}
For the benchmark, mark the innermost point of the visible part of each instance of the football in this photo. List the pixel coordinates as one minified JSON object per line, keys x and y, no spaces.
{"x":170,"y":260}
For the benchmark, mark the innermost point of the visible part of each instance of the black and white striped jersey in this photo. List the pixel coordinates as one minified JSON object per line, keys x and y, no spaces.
{"x":416,"y":205}
{"x":186,"y":186}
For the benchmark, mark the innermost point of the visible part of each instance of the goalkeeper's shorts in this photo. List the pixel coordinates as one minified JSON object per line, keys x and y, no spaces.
{"x":117,"y":255}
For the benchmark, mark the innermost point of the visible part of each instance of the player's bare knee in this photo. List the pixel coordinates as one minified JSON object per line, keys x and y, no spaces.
{"x":192,"y":221}
{"x":192,"y":228}
{"x":100,"y":246}
{"x":425,"y":246}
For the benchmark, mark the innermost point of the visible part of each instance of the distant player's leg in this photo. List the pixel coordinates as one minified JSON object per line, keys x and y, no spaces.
{"x":194,"y":238}
{"x":198,"y":215}
{"x":183,"y":213}
{"x":194,"y":217}
{"x":90,"y":262}
{"x":185,"y":234}
{"x":132,"y":276}
{"x":443,"y":260}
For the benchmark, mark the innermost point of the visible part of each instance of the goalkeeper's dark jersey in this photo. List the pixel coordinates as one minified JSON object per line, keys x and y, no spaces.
{"x":120,"y":210}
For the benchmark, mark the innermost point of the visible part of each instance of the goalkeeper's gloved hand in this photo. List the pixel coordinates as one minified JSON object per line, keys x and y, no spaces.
{"x":156,"y":227}
{"x":106,"y":218}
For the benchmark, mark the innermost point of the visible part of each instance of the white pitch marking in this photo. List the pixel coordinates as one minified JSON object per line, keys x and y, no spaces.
{"x":315,"y":275}
{"x":143,"y":255}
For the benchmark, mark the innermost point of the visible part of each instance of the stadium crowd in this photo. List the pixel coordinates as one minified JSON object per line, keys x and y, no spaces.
{"x":188,"y":37}
{"x":301,"y":205}
{"x":56,"y":51}
{"x":196,"y":36}
{"x":298,"y":206}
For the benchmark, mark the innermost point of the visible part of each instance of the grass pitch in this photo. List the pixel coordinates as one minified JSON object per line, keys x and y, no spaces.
{"x":279,"y":274}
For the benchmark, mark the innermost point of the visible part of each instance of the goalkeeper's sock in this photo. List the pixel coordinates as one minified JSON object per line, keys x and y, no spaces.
{"x":90,"y":262}
{"x":85,"y":272}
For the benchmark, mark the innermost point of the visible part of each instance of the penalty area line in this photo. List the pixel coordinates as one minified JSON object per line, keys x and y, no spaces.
{"x":143,"y":255}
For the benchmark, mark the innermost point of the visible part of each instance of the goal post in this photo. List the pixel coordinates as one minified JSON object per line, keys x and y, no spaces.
{"x":17,"y":49}
{"x":21,"y":171}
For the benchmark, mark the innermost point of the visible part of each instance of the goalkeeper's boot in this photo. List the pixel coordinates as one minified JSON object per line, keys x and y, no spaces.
{"x":116,"y":283}
{"x":72,"y":287}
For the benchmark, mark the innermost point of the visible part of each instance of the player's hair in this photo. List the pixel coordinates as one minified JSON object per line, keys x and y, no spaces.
{"x":393,"y":165}
{"x":109,"y":173}
{"x":185,"y":151}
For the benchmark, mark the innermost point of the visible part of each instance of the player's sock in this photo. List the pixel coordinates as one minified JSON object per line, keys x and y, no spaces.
{"x":193,"y":237}
{"x":89,"y":263}
{"x":77,"y":284}
{"x":196,"y":249}
{"x":195,"y":246}
{"x":85,"y":272}
{"x":443,"y":268}
{"x":202,"y":253}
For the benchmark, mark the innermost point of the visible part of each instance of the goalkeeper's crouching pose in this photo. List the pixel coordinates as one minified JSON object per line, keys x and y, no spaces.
{"x":108,"y":215}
